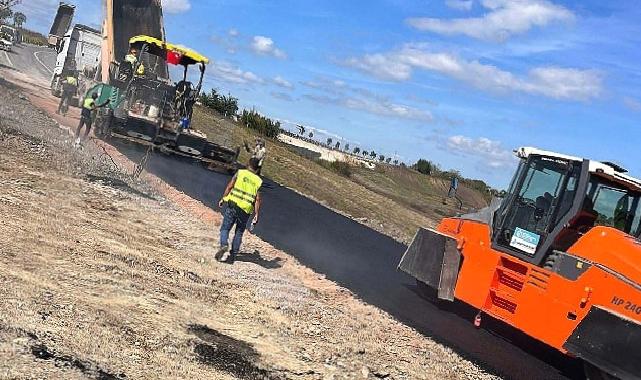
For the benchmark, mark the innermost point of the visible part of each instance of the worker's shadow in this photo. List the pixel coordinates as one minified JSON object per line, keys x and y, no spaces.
{"x":256,"y":258}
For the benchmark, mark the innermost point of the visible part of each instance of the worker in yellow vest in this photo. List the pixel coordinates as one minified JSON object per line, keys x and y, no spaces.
{"x":69,"y":90}
{"x":88,"y":105}
{"x":132,"y":59}
{"x":240,"y":200}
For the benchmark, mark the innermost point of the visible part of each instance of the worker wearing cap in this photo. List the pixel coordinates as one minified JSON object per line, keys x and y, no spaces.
{"x":132,"y":59}
{"x":69,"y":90}
{"x":259,"y":152}
{"x":88,"y":105}
{"x":240,"y":200}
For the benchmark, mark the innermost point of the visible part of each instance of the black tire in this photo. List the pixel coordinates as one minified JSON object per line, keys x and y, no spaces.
{"x":593,"y":372}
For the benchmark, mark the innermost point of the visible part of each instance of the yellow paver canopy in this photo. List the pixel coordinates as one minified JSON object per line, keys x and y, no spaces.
{"x":161,"y":48}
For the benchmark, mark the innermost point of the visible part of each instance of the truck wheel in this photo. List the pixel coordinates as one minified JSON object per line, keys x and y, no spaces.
{"x":593,"y":372}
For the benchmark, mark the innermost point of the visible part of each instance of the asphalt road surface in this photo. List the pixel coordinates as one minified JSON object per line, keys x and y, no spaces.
{"x":355,"y":257}
{"x":34,"y":61}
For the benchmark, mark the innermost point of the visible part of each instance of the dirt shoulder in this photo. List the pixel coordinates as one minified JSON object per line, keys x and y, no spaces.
{"x":106,"y":277}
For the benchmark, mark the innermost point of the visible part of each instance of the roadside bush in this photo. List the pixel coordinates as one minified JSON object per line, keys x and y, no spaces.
{"x":264,"y":125}
{"x":425,"y":166}
{"x":225,"y":105}
{"x":34,"y":38}
{"x":339,"y":167}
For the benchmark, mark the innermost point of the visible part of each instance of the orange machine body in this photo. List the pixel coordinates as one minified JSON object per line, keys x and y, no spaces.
{"x":540,"y":302}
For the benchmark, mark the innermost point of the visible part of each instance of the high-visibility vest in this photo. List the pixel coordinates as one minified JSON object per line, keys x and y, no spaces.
{"x":140,"y":70}
{"x":89,"y":103}
{"x":245,"y":190}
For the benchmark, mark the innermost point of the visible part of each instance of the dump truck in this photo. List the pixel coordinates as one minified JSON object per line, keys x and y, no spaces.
{"x":79,"y":56}
{"x":61,"y":24}
{"x":148,"y":108}
{"x":558,"y":258}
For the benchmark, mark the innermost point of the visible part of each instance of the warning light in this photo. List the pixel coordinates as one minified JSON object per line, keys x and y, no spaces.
{"x":174,"y":57}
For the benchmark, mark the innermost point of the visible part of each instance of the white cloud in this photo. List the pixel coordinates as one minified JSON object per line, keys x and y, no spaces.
{"x":383,"y":66}
{"x":229,"y":40}
{"x":176,"y":6}
{"x":327,"y":133}
{"x":553,"y":82}
{"x":340,"y":87}
{"x":377,"y":107}
{"x":282,"y":96}
{"x":265,"y":46}
{"x":632,"y":104}
{"x":340,"y":93}
{"x":282,"y":82}
{"x":389,"y":109}
{"x":461,"y":5}
{"x":489,"y":151}
{"x":226,"y":72}
{"x":563,"y":83}
{"x":504,"y":19}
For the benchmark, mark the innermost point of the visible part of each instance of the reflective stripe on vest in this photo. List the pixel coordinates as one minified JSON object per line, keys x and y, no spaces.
{"x":140,"y":70}
{"x":89,"y":104}
{"x":245,"y":190}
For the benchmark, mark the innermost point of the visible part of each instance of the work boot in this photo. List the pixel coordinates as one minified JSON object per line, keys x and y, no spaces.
{"x":231,"y":259}
{"x":221,"y":251}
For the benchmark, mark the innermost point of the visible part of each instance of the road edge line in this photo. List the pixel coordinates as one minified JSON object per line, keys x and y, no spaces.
{"x":8,"y":59}
{"x":35,"y":54}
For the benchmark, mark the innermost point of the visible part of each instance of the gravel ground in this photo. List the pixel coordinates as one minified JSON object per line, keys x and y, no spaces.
{"x":109,"y":277}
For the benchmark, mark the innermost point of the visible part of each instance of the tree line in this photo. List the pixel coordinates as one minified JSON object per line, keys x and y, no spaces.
{"x":227,"y":105}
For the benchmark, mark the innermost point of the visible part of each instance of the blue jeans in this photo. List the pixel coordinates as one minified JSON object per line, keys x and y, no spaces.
{"x":233,"y":215}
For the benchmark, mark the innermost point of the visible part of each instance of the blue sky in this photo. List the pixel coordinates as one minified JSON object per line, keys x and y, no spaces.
{"x":460,"y":82}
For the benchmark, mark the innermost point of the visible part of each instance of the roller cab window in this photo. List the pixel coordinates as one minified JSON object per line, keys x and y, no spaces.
{"x":612,"y":205}
{"x":541,"y":193}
